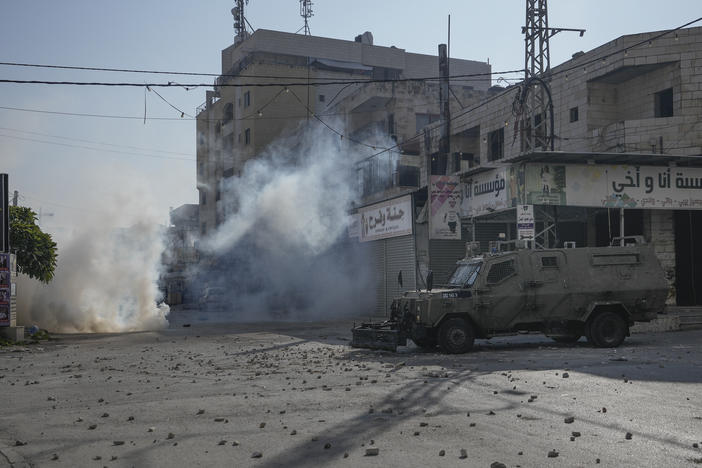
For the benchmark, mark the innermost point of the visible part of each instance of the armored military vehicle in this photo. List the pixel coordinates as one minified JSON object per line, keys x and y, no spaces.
{"x":598,"y":292}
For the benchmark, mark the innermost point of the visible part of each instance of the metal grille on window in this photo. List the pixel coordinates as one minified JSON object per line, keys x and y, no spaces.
{"x":500,"y":271}
{"x":549,"y":262}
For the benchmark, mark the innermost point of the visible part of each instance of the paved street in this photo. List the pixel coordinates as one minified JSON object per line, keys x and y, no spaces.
{"x":297,"y":395}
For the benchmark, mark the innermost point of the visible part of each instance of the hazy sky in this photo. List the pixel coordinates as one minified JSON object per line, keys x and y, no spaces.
{"x":73,"y":178}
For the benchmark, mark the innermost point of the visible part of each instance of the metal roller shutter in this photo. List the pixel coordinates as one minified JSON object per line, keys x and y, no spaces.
{"x":399,"y":256}
{"x":378,"y":265}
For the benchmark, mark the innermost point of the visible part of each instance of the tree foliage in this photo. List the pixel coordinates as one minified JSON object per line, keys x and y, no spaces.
{"x":36,"y":251}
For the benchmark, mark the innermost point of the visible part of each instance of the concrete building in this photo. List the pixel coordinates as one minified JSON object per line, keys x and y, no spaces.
{"x":626,"y":160}
{"x":181,"y":253}
{"x":244,"y":114}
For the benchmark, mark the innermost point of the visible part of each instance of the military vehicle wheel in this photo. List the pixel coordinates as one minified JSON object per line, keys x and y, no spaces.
{"x":608,"y":330}
{"x":456,"y":336}
{"x":565,"y":338}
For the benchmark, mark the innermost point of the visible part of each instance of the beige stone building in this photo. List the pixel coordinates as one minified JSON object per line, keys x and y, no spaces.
{"x":273,"y":81}
{"x":626,"y":159}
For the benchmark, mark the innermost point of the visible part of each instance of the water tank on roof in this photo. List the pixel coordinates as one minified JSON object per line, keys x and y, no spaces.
{"x":365,"y":38}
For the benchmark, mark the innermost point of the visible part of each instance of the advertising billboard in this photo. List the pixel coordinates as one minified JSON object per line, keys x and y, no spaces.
{"x":445,"y":203}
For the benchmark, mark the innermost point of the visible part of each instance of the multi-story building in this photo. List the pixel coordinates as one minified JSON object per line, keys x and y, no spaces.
{"x":621,"y":155}
{"x":272,"y":81}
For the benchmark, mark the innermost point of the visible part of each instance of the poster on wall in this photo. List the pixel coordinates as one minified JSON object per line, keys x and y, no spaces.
{"x":525,"y":222}
{"x":391,"y":218}
{"x":614,"y":186}
{"x":546,"y":184}
{"x":4,"y":315}
{"x":485,"y":192}
{"x":445,"y":204}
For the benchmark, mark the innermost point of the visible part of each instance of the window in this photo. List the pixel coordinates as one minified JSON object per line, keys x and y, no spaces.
{"x":549,"y":262}
{"x":573,"y":114}
{"x":664,"y":103}
{"x":422,"y":120}
{"x":247,"y":136}
{"x":203,"y":228}
{"x":321,"y":98}
{"x":500,"y":271}
{"x":200,"y":168}
{"x":496,"y":144}
{"x":247,"y":99}
{"x":228,"y":113}
{"x":203,"y":197}
{"x":240,"y":138}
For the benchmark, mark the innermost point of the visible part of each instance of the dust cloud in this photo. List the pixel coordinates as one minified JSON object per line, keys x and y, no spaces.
{"x":283,"y":251}
{"x":108,"y":266}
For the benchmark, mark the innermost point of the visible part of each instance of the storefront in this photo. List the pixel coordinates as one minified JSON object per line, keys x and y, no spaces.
{"x":590,"y":204}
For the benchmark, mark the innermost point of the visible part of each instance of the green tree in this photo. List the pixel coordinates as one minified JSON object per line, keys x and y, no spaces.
{"x":36,"y":251}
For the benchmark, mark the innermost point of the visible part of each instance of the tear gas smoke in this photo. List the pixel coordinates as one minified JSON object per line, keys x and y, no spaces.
{"x":283,"y":251}
{"x":106,"y":274}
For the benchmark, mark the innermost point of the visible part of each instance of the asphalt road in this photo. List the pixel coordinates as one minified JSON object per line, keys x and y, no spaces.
{"x":298,"y":395}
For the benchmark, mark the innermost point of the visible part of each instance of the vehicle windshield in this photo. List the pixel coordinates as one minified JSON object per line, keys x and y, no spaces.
{"x":465,"y":274}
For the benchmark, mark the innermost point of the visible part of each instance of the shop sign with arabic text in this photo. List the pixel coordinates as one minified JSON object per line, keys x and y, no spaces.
{"x":484,"y":193}
{"x":608,"y":186}
{"x":391,"y":218}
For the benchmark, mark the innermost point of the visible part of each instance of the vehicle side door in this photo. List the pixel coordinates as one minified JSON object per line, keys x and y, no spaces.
{"x":548,"y":290}
{"x":499,"y":296}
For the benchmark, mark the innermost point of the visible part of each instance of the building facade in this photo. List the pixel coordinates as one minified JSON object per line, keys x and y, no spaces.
{"x":272,"y":82}
{"x":622,"y":156}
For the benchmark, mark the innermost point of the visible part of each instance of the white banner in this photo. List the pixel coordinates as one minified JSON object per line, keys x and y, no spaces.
{"x":484,"y":193}
{"x":525,"y":222}
{"x":607,"y":186}
{"x":391,"y":218}
{"x":445,"y":200}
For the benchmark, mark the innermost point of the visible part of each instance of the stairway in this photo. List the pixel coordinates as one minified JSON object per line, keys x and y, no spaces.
{"x":690,"y":317}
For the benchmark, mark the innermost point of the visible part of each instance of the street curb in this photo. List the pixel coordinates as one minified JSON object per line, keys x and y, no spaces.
{"x":664,"y":323}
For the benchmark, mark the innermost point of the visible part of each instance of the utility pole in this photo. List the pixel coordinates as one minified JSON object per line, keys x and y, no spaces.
{"x":15,"y":196}
{"x":445,"y":141}
{"x":535,"y":108}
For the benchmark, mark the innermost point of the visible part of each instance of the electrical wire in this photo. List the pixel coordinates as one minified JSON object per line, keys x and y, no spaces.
{"x":174,"y":107}
{"x":252,"y":85}
{"x":650,"y":40}
{"x":223,"y":75}
{"x":35,"y":140}
{"x":93,"y":142}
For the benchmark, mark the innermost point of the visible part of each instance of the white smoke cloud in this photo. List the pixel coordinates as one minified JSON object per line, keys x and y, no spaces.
{"x":108,"y":265}
{"x":283,"y":250}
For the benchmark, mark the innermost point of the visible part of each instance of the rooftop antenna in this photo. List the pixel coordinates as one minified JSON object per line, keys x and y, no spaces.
{"x":534,"y":109}
{"x":240,"y":21}
{"x":306,"y":13}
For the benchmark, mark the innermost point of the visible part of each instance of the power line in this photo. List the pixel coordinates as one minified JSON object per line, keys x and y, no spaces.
{"x":93,"y":142}
{"x":95,"y":149}
{"x":223,"y":75}
{"x":625,"y":49}
{"x":241,"y":85}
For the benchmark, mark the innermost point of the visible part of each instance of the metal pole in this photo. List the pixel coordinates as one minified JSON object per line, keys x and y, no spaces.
{"x":621,"y":227}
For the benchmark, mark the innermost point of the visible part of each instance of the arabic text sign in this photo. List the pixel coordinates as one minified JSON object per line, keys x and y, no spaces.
{"x":525,"y":222}
{"x":484,"y":193}
{"x":391,"y":218}
{"x":445,"y":198}
{"x":652,"y":187}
